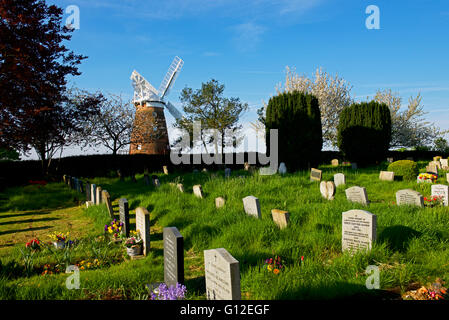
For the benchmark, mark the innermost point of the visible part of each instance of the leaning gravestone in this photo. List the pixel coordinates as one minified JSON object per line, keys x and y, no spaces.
{"x":143,"y":225}
{"x":173,"y":257}
{"x":93,"y":190}
{"x":357,"y":194}
{"x":386,"y":176}
{"x":315,"y":174}
{"x":219,"y":202}
{"x":98,"y":196}
{"x":124,"y":215}
{"x":359,"y":230}
{"x":180,"y":187}
{"x":281,"y":218}
{"x":441,"y":190}
{"x":282,"y":168}
{"x":409,"y":197}
{"x":252,"y":206}
{"x":334,"y":162}
{"x":198,"y":191}
{"x":222,"y":273}
{"x":107,"y":199}
{"x":339,"y":179}
{"x":327,"y":189}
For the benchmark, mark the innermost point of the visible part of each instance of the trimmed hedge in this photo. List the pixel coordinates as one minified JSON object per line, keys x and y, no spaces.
{"x":405,"y":169}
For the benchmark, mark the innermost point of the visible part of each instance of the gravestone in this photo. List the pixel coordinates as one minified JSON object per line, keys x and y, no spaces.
{"x":93,"y":195}
{"x":107,"y":199}
{"x":390,"y":160}
{"x":227,"y":172}
{"x":98,"y":195}
{"x":335,"y":163}
{"x":282,"y":168}
{"x":156,"y":183}
{"x":281,"y":218}
{"x":386,"y":176}
{"x":88,"y":192}
{"x":339,"y":179}
{"x":315,"y":174}
{"x":246,"y":166}
{"x":436,"y":163}
{"x":75,"y":184}
{"x":173,"y":257}
{"x":219,"y":202}
{"x":180,"y":187}
{"x":447,"y":177}
{"x":143,"y":225}
{"x":357,"y":194}
{"x":146,"y":179}
{"x":165,"y":169}
{"x":432,"y":168}
{"x":441,"y":190}
{"x":444,"y":164}
{"x":124,"y":215}
{"x":252,"y":206}
{"x":64,"y":178}
{"x":89,"y":204}
{"x":359,"y":230}
{"x":198,"y":191}
{"x":222,"y":273}
{"x":327,"y":189}
{"x":409,"y":197}
{"x":354,"y":166}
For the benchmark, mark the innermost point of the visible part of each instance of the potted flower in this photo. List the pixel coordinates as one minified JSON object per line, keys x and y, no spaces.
{"x":133,"y":246}
{"x":433,"y":201}
{"x":114,"y":230}
{"x":427,"y":177}
{"x":33,"y":244}
{"x":59,"y":239}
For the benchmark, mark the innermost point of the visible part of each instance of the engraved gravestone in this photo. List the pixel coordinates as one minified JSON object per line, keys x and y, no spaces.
{"x":339,"y":179}
{"x":252,"y":206}
{"x":198,"y":191}
{"x":219,"y":202}
{"x":357,"y":194}
{"x":359,"y":230}
{"x":143,"y":225}
{"x":173,"y":257}
{"x":222,"y":273}
{"x":441,"y":190}
{"x":315,"y":174}
{"x":280,"y":217}
{"x":409,"y":197}
{"x":386,"y":176}
{"x":432,"y":168}
{"x":124,"y":215}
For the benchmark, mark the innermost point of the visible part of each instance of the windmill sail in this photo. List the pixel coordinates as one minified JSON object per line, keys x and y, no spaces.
{"x":173,"y":111}
{"x":170,"y":77}
{"x":143,"y":90}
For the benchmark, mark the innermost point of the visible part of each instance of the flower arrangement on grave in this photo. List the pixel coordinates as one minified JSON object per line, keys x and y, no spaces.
{"x":59,"y":239}
{"x":275,"y":265}
{"x":436,"y":291}
{"x":87,"y":265}
{"x":162,"y":292}
{"x":133,"y":244}
{"x":33,"y":244}
{"x":434,"y":201}
{"x":114,"y":229}
{"x":427,"y":177}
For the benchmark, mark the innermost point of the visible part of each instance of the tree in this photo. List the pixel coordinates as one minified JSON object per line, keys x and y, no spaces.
{"x":216,"y":113}
{"x":441,"y":145}
{"x":409,"y":129}
{"x":34,"y":64}
{"x":333,"y":95}
{"x":111,"y":125}
{"x":9,"y":154}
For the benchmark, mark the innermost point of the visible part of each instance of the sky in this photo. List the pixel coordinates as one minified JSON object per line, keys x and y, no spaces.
{"x":247,"y":45}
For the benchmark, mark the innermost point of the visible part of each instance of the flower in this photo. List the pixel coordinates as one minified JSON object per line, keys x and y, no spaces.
{"x":276,"y":271}
{"x":169,"y":293}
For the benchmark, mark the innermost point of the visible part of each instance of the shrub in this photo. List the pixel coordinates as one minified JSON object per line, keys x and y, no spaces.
{"x":297,"y":117}
{"x":406,"y":169}
{"x":364,"y":132}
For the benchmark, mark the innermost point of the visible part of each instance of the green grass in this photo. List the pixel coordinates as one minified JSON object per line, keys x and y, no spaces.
{"x":412,"y":245}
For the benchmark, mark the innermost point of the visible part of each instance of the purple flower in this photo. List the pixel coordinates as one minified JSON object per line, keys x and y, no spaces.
{"x":169,"y":293}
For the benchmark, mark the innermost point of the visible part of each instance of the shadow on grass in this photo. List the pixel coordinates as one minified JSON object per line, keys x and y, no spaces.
{"x":24,"y":230}
{"x":32,"y":213}
{"x":197,"y":285}
{"x":27,"y":221}
{"x":398,"y":237}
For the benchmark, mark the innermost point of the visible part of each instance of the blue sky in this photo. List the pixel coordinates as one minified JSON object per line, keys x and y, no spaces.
{"x":246,"y":45}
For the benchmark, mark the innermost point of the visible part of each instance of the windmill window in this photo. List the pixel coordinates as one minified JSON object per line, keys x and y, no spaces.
{"x":139,"y":147}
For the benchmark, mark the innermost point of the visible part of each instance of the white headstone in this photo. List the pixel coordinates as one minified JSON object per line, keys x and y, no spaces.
{"x":409,"y":197}
{"x":280,"y":217}
{"x":444,"y":164}
{"x":359,"y":230}
{"x":386,"y":176}
{"x":180,"y":187}
{"x":143,"y":225}
{"x":252,"y":206}
{"x":339,"y":179}
{"x":222,"y":273}
{"x":282,"y":168}
{"x":219,"y":202}
{"x":357,"y":194}
{"x":327,"y":189}
{"x":441,"y":190}
{"x":198,"y":191}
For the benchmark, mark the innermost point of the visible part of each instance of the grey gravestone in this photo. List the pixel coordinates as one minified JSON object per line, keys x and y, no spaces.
{"x":198,"y":191}
{"x":146,"y":179}
{"x":315,"y":174}
{"x":173,"y":257}
{"x":143,"y":225}
{"x":107,"y":199}
{"x":222,"y":273}
{"x":409,"y":197}
{"x":359,"y":230}
{"x":357,"y":194}
{"x":93,"y":195}
{"x":327,"y":189}
{"x":227,"y":172}
{"x":252,"y":206}
{"x":98,"y":195}
{"x":281,"y":218}
{"x":88,"y":192}
{"x":124,"y":215}
{"x":282,"y":168}
{"x":441,"y":190}
{"x":339,"y":179}
{"x":219,"y":202}
{"x":386,"y":176}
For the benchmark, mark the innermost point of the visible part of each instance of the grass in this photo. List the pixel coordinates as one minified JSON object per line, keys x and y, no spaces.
{"x":412,"y":246}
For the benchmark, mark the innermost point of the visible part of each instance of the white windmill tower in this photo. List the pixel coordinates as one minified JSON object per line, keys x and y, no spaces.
{"x":150,"y":135}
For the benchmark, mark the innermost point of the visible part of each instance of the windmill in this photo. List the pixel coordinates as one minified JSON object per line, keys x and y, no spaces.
{"x":150,"y":135}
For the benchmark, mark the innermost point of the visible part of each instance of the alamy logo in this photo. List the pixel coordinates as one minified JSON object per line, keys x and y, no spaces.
{"x":73,"y":281}
{"x":373,"y":20}
{"x":373,"y":280}
{"x":73,"y":20}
